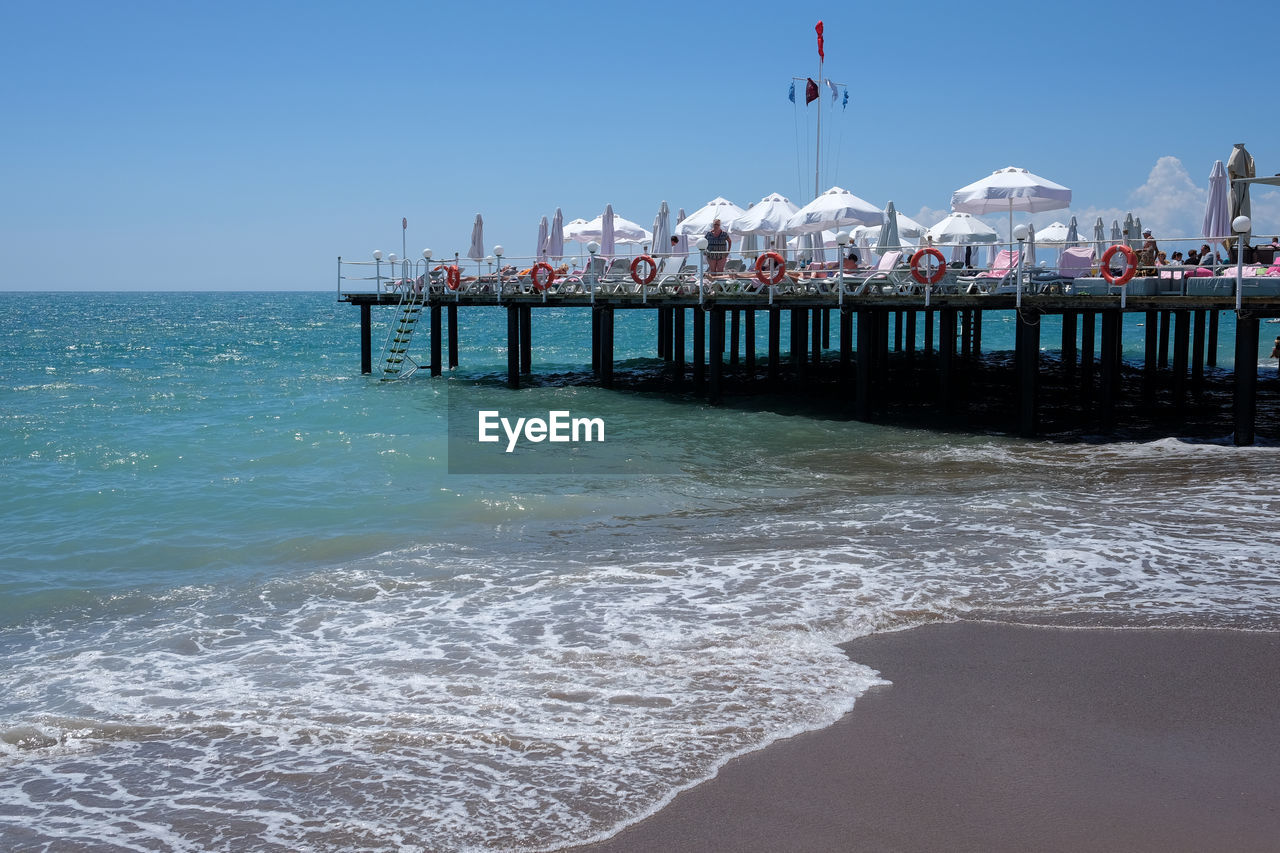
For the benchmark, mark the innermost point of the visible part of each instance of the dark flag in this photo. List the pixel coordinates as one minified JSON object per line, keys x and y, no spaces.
{"x":810,"y":92}
{"x":791,"y":95}
{"x":819,"y":30}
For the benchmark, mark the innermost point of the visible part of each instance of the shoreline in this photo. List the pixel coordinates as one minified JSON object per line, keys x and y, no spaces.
{"x":1008,"y":736}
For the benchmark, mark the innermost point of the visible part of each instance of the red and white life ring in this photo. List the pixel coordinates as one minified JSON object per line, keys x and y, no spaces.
{"x":650,"y":264}
{"x":1130,"y":269}
{"x":453,"y":277}
{"x":779,"y":268}
{"x":937,"y":274}
{"x":542,"y":283}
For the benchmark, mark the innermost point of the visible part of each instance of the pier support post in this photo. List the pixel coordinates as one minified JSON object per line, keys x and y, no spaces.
{"x":1164,"y":339}
{"x":1109,"y":356}
{"x":453,"y":336}
{"x":526,"y":339}
{"x":866,"y":345}
{"x":799,"y":337}
{"x":1197,"y":354}
{"x":513,"y":346}
{"x":677,"y":342}
{"x":775,"y":344}
{"x":928,"y":332}
{"x":1069,"y":353}
{"x":606,"y":346}
{"x":735,"y":334}
{"x":1211,"y":357}
{"x":662,"y":333}
{"x":595,"y":340}
{"x":1181,"y":347}
{"x":846,"y":350}
{"x":699,"y":349}
{"x":946,"y":356}
{"x":977,"y":333}
{"x":366,"y":339}
{"x":1088,"y":330}
{"x":966,"y":330}
{"x":911,"y":333}
{"x":1028,"y":373}
{"x":435,"y":339}
{"x":826,"y":328}
{"x":817,"y":337}
{"x":1246,"y":380}
{"x":717,"y":353}
{"x":1151,"y":355}
{"x":751,"y":341}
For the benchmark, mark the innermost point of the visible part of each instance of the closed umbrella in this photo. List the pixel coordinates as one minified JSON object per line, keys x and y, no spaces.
{"x":1099,"y":237}
{"x":555,"y":236}
{"x":608,"y":240}
{"x":662,"y":230}
{"x":1010,"y":189}
{"x":1031,"y":245}
{"x":682,"y":247}
{"x":1117,"y":236}
{"x":476,"y":250}
{"x":835,"y":208}
{"x":1073,"y":232}
{"x":1129,"y":236}
{"x":1217,"y":207}
{"x":889,"y":232}
{"x":907,"y":227}
{"x":1240,"y":165}
{"x":543,"y":230}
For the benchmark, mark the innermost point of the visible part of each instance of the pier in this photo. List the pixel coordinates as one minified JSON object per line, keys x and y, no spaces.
{"x":864,"y":348}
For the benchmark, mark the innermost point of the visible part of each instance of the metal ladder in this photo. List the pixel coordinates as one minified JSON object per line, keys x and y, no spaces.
{"x":396,"y":361}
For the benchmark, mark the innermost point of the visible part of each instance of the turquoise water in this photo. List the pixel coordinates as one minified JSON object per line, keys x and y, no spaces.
{"x":244,"y":605}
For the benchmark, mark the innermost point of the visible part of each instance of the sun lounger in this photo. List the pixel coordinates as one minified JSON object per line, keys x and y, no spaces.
{"x":885,"y":274}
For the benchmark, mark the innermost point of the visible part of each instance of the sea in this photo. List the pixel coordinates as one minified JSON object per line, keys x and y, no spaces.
{"x":247,"y":604}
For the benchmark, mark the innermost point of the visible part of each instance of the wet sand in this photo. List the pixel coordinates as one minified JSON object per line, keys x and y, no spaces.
{"x":997,"y":737}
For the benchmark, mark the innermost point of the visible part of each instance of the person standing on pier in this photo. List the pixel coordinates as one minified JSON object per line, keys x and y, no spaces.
{"x":717,"y":248}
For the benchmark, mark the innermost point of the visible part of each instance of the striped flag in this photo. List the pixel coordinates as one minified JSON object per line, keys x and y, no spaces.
{"x":818,"y":28}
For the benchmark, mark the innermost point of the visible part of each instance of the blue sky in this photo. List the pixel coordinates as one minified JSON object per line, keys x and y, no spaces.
{"x":246,"y":145}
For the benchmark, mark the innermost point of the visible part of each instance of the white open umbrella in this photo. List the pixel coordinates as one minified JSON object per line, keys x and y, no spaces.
{"x":907,"y":227}
{"x":699,"y":222}
{"x":768,"y":216}
{"x":576,"y":231}
{"x":1010,"y":189}
{"x":476,"y":250}
{"x":835,"y":208}
{"x":555,"y":236}
{"x":624,"y":230}
{"x":541,"y":246}
{"x":1054,"y":235}
{"x":962,"y":229}
{"x":1217,"y":208}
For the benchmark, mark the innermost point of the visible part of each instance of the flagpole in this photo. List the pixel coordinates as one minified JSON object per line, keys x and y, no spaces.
{"x":817,"y":155}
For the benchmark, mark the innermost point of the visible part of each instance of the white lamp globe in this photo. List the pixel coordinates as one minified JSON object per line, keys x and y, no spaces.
{"x":377,"y":254}
{"x":593,"y":247}
{"x":1020,"y":231}
{"x":842,"y":238}
{"x":426,"y":253}
{"x":702,"y":244}
{"x":392,"y":257}
{"x":1241,"y":224}
{"x":497,"y":250}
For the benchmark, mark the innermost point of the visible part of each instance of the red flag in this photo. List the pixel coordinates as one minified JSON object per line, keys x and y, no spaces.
{"x":810,"y":92}
{"x":819,"y":29}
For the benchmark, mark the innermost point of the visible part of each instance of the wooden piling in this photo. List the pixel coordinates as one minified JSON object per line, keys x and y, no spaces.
{"x":606,"y":346}
{"x":1163,"y":355}
{"x":751,"y":341}
{"x":862,"y":390}
{"x":1246,"y":380}
{"x":513,"y":346}
{"x":699,"y":349}
{"x":1197,"y":353}
{"x":1069,"y":331}
{"x":453,"y":336}
{"x":717,"y":353}
{"x":1211,"y":358}
{"x":1028,"y":373}
{"x":366,"y":338}
{"x":526,"y":338}
{"x":775,"y":344}
{"x":1181,"y":353}
{"x":435,"y":340}
{"x":735,"y":333}
{"x":677,"y":343}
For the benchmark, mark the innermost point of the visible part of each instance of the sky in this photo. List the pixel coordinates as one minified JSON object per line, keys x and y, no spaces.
{"x":246,"y":146}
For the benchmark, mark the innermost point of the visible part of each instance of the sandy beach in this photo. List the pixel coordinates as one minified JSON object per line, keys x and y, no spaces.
{"x":998,"y":737}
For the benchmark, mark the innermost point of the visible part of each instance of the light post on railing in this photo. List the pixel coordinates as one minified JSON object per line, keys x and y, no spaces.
{"x":497,"y":251}
{"x":1241,"y":225}
{"x":842,"y":240}
{"x":1020,"y":234}
{"x":702,"y":254}
{"x":592,"y":248}
{"x":377,"y":258}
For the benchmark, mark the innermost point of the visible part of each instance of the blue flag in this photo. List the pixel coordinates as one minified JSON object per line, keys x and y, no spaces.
{"x":791,"y":95}
{"x":845,"y":103}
